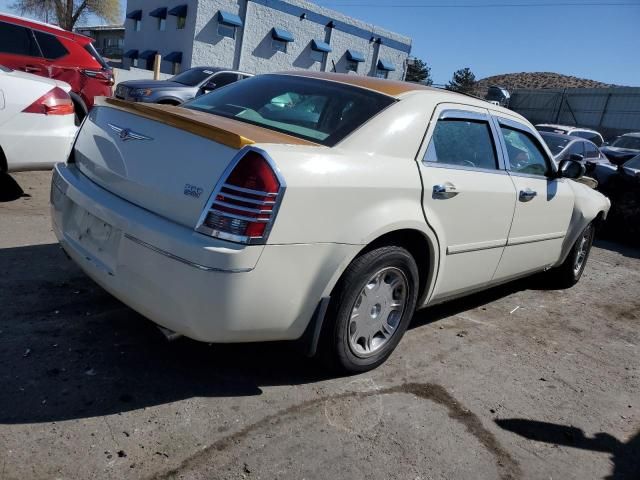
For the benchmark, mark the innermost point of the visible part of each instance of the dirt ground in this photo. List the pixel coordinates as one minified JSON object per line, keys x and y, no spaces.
{"x":516,"y":382}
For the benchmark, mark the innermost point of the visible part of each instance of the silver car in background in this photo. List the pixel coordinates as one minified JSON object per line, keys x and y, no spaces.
{"x":179,"y":88}
{"x":582,"y":132}
{"x":568,"y":147}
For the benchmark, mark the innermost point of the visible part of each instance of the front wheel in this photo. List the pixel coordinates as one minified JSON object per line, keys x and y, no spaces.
{"x":568,"y":274}
{"x":371,"y":309}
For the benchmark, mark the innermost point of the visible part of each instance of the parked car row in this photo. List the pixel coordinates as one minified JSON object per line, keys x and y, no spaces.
{"x":49,"y":51}
{"x":575,"y":142}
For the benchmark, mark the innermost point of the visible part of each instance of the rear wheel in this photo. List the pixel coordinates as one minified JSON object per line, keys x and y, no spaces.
{"x":568,"y":274}
{"x":371,"y":309}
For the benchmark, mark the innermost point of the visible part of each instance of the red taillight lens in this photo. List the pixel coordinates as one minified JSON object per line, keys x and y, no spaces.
{"x":243,"y":206}
{"x":103,"y":75}
{"x":54,"y":102}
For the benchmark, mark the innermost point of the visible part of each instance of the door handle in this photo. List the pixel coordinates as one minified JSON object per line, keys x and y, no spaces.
{"x":527,"y":195}
{"x":31,"y":68}
{"x":446,"y":190}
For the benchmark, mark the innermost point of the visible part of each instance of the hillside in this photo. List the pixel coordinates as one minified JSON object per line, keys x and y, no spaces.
{"x":512,"y":81}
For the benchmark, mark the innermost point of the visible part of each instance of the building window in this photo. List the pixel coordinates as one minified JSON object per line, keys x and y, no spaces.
{"x":226,"y":30}
{"x":318,"y":50}
{"x":317,"y":56}
{"x":279,"y":39}
{"x":383,"y":68}
{"x":137,"y":25}
{"x":162,"y":24}
{"x":279,"y":45}
{"x":182,"y":22}
{"x":352,"y":66}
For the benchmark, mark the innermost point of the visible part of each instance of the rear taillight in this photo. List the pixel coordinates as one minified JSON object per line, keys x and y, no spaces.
{"x":54,"y":102}
{"x":245,"y":202}
{"x":103,"y":75}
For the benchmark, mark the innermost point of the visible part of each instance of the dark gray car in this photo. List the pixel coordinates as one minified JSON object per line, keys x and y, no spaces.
{"x":180,"y":88}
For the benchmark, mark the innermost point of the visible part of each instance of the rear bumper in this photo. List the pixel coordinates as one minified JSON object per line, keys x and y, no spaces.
{"x":37,"y":142}
{"x":204,"y":288}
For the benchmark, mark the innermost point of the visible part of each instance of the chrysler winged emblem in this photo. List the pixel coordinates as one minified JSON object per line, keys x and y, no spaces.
{"x":128,"y":134}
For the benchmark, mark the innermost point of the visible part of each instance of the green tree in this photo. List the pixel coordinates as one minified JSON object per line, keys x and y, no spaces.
{"x":419,"y":72}
{"x":463,"y":81}
{"x":67,"y":12}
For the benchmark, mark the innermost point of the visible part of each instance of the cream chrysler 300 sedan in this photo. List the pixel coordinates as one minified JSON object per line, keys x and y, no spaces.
{"x":322,"y":208}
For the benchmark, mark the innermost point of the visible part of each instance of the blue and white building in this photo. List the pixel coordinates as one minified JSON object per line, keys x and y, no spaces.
{"x":259,"y":36}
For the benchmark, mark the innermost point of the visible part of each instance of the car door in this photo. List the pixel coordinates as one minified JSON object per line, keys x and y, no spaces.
{"x":19,"y":50}
{"x":468,"y":198}
{"x":544,"y":202}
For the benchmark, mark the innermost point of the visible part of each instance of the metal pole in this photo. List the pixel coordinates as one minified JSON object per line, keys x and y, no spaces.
{"x":604,"y":109}
{"x":156,"y":66}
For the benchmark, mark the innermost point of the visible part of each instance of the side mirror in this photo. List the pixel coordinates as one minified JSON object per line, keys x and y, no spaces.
{"x":210,"y":85}
{"x":571,"y":169}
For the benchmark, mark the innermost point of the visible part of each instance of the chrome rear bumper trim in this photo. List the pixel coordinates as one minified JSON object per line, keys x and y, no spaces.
{"x":184,"y":260}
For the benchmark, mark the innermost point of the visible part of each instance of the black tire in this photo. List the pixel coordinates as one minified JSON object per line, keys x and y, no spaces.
{"x":336,"y":345}
{"x":79,"y":108}
{"x":568,"y":274}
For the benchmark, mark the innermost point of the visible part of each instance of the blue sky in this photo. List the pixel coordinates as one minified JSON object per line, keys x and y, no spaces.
{"x":600,"y":42}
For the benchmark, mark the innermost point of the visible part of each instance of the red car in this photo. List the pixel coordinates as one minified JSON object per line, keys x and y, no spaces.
{"x":52,"y":52}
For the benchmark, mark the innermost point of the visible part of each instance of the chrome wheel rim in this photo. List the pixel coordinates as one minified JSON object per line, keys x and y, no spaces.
{"x":377,"y":311}
{"x":583,"y":249}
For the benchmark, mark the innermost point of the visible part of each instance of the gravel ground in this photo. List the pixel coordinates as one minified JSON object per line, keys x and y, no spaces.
{"x":478,"y":388}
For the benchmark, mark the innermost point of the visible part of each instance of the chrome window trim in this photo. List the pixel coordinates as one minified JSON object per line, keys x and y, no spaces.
{"x":208,"y":231}
{"x":463,"y":167}
{"x":461,"y":114}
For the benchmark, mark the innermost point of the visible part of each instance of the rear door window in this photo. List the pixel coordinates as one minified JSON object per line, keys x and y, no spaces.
{"x":17,"y":40}
{"x":50,"y":46}
{"x":591,"y":151}
{"x":463,"y":143}
{"x":224,"y":79}
{"x":576,"y":148}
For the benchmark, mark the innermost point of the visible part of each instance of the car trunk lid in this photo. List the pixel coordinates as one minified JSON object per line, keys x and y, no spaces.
{"x":164,"y":159}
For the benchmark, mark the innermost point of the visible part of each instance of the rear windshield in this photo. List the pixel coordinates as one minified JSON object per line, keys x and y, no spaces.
{"x":321,"y":111}
{"x":593,"y":136}
{"x":94,"y":53}
{"x":556,"y":144}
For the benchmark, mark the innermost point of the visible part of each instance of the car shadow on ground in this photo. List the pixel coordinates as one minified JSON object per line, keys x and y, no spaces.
{"x":625,"y":455}
{"x":70,"y":350}
{"x":626,"y":250}
{"x":9,"y":188}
